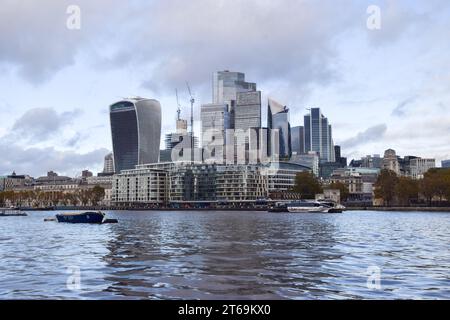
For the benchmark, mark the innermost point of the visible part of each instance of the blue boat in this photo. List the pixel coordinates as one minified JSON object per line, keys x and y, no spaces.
{"x":84,"y":217}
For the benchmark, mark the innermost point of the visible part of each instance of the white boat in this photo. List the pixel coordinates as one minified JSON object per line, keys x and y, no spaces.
{"x":312,"y":207}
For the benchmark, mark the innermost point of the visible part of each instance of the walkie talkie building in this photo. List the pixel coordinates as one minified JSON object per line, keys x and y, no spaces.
{"x":136,"y":132}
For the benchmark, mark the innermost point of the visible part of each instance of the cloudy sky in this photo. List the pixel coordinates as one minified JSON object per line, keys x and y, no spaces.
{"x":380,"y":88}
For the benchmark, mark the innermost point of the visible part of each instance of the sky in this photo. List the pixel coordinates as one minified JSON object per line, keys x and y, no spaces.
{"x":386,"y":87}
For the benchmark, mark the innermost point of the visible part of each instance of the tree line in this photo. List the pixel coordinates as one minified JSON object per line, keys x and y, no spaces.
{"x":40,"y":198}
{"x":397,"y":190}
{"x":390,"y":188}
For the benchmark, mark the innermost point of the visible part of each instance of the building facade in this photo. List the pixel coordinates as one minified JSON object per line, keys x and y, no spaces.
{"x":187,"y":182}
{"x":278,"y":120}
{"x":318,"y":135}
{"x":136,"y":132}
{"x":420,"y":166}
{"x":298,"y":140}
{"x":215,"y":120}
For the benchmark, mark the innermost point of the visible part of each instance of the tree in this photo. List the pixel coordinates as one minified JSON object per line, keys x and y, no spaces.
{"x":343,"y":189}
{"x":385,"y":186}
{"x":436,"y":183}
{"x":307,"y":185}
{"x":98,"y":193}
{"x":406,"y":190}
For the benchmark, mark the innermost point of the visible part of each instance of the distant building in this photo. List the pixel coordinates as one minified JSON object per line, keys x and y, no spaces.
{"x":355,"y":163}
{"x":338,"y":158}
{"x":247,"y":113}
{"x":309,"y":160}
{"x":359,"y":181}
{"x":390,"y":161}
{"x":136,"y":132}
{"x":318,"y":135}
{"x":419,"y":166}
{"x":86,"y":174}
{"x":278,"y":119}
{"x":226,"y":85}
{"x":445,"y":163}
{"x":374,"y":161}
{"x":14,"y":181}
{"x":326,"y":169}
{"x":108,"y":166}
{"x":215,"y":120}
{"x":298,"y":139}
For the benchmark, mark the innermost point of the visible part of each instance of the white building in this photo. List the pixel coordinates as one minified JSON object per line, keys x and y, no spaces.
{"x":419,"y":166}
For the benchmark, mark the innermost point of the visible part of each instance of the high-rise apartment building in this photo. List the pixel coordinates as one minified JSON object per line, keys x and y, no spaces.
{"x":136,"y":132}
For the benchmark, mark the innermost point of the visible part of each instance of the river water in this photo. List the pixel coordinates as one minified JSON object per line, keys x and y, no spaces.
{"x":228,"y":255}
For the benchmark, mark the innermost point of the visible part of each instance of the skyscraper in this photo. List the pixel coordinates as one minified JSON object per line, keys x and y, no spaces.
{"x":298,"y":139}
{"x":225,"y":86}
{"x":278,"y":119}
{"x":318,"y":135}
{"x":215,"y":121}
{"x":108,"y":166}
{"x":247,"y":112}
{"x":136,"y":132}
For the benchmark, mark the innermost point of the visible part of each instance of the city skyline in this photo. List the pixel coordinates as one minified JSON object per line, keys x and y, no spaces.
{"x":54,"y":98}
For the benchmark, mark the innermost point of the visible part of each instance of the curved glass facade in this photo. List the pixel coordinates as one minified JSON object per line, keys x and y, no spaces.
{"x":136,"y":132}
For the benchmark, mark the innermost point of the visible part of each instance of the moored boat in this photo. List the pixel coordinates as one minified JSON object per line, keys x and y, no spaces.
{"x":279,"y":207}
{"x":83,"y":217}
{"x":11,"y":212}
{"x":311,"y":206}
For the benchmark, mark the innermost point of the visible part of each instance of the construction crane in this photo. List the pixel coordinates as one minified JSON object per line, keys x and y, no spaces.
{"x":192,"y":121}
{"x":178,"y":104}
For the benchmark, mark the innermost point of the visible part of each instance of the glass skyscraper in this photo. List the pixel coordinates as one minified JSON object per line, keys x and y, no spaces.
{"x":226,"y":85}
{"x":278,"y":119}
{"x":136,"y":132}
{"x":298,"y":139}
{"x":318,"y":135}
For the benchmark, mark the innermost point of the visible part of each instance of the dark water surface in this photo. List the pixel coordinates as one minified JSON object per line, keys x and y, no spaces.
{"x":228,"y":255}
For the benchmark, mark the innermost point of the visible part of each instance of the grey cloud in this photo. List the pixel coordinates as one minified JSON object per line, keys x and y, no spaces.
{"x":400,"y":109}
{"x":371,"y":134}
{"x":34,"y":39}
{"x":36,"y":161}
{"x":41,"y":123}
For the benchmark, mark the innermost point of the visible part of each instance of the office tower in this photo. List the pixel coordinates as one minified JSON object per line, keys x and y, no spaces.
{"x":108,"y":166}
{"x":247,"y":112}
{"x":226,"y":86}
{"x":338,"y":157}
{"x":215,"y":122}
{"x":298,"y":139}
{"x":278,"y":119}
{"x":318,"y":135}
{"x":374,"y":161}
{"x":136,"y":132}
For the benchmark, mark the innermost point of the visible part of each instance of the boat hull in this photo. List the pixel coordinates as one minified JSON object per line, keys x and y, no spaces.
{"x":308,"y":210}
{"x":87,"y":217}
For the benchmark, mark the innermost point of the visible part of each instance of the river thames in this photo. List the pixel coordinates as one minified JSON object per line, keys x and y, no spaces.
{"x":228,"y":255}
